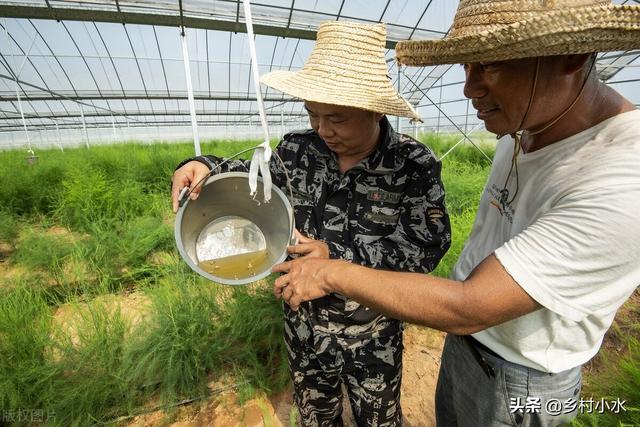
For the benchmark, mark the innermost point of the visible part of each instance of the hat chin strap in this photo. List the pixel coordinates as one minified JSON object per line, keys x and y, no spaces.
{"x":566,"y":110}
{"x":515,"y":135}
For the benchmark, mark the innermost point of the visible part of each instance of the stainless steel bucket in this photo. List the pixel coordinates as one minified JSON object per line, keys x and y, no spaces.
{"x":230,"y":237}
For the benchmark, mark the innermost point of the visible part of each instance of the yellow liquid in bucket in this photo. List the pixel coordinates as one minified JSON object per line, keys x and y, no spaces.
{"x":237,"y":267}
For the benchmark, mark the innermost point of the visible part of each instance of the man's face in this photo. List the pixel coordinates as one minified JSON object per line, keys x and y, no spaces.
{"x":500,"y":93}
{"x":346,"y":130}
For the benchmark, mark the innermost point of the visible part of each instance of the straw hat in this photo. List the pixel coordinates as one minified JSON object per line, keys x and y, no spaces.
{"x":497,"y":30}
{"x":347,"y":67}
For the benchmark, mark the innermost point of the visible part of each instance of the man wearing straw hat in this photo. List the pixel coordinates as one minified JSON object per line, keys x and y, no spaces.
{"x":362,"y":193}
{"x":554,"y":249}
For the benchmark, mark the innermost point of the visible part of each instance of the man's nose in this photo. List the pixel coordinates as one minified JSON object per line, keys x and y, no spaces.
{"x":474,"y":86}
{"x":325,"y":129}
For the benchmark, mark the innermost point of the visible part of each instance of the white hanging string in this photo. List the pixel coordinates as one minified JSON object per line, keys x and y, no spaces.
{"x":84,"y":125}
{"x":59,"y":138}
{"x":262,"y":154}
{"x":192,"y":106}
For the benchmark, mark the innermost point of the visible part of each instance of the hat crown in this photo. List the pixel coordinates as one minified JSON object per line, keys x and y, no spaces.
{"x":478,"y":16}
{"x":347,"y":67}
{"x":348,"y":48}
{"x":499,"y":30}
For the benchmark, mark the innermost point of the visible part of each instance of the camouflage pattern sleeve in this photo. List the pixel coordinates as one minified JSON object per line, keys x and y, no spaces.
{"x":237,"y":165}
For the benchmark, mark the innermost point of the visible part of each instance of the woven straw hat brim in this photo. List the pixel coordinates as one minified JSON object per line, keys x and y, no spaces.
{"x":344,"y":90}
{"x":347,"y":67}
{"x":560,"y":32}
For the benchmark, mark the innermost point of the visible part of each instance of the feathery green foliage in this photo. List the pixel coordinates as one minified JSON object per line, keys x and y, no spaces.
{"x":620,"y":381}
{"x":37,"y":249}
{"x":179,"y":344}
{"x":88,"y":356}
{"x":460,"y":228}
{"x":9,"y":227}
{"x":89,"y":228}
{"x":111,"y":222}
{"x":24,"y":337}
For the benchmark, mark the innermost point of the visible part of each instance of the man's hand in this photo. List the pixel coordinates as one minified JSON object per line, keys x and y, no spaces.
{"x":304,"y":279}
{"x":308,"y":248}
{"x":188,"y":175}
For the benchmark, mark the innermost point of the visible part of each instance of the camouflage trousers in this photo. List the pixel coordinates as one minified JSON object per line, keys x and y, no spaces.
{"x":371,"y":370}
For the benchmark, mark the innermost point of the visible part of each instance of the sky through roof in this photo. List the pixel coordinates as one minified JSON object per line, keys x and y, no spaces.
{"x":77,"y":73}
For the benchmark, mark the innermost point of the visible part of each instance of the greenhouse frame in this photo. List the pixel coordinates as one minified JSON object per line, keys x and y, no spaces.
{"x":79,"y":72}
{"x":106,"y":318}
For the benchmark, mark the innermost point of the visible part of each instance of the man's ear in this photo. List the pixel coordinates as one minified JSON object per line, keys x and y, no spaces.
{"x":378,"y":116}
{"x":577,"y":62}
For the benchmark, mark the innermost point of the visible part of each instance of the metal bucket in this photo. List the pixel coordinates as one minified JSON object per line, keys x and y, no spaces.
{"x":230,"y":237}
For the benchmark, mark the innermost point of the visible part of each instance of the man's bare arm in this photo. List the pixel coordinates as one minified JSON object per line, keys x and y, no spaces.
{"x":488,"y":297}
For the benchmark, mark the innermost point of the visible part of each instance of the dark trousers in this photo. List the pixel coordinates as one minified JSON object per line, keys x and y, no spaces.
{"x":504,"y":394}
{"x":371,"y":370}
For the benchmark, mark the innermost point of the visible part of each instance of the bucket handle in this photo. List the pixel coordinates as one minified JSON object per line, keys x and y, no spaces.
{"x":186,"y":191}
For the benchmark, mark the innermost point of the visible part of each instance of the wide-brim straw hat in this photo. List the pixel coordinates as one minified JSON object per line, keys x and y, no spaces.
{"x":498,"y":30}
{"x":346,"y":67}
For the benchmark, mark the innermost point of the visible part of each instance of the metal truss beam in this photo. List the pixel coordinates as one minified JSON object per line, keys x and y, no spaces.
{"x":10,"y":115}
{"x":123,"y":17}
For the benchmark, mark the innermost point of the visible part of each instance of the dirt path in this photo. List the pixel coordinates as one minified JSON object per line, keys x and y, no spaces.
{"x":422,"y":351}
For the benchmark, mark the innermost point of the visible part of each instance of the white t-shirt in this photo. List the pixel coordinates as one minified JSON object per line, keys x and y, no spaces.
{"x":570,"y":239}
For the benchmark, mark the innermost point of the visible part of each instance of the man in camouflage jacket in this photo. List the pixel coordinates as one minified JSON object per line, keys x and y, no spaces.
{"x":362,"y":193}
{"x":386,"y":212}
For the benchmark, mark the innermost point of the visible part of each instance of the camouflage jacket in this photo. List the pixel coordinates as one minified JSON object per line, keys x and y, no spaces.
{"x":386,"y":212}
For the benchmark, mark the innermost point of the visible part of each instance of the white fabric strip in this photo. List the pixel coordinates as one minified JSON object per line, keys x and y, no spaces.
{"x":262,"y":154}
{"x":192,"y":106}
